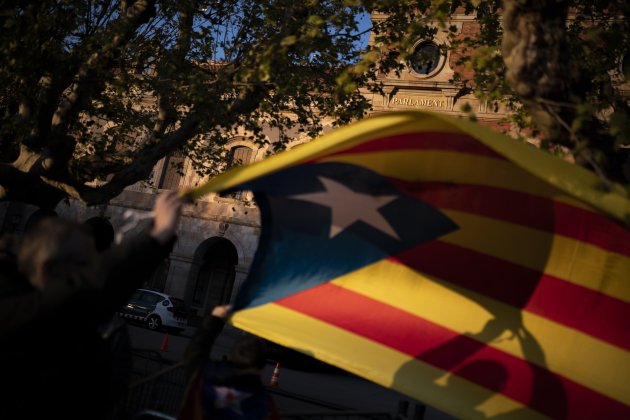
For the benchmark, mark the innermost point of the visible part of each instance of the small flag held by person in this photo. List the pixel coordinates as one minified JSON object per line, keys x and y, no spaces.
{"x":448,"y":262}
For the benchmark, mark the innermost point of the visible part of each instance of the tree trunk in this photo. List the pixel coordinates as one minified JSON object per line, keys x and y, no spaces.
{"x":541,"y":71}
{"x":538,"y":66}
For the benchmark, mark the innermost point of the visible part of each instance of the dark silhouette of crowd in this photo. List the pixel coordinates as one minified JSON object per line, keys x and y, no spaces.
{"x":63,"y":354}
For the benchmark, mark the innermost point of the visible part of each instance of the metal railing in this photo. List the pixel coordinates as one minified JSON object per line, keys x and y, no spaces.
{"x":158,"y":387}
{"x":155,"y":385}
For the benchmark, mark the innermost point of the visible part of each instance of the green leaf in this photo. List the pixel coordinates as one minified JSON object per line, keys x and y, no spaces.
{"x":288,"y":41}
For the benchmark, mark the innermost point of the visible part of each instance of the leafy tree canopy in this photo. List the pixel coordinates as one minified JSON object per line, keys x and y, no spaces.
{"x":94,"y":93}
{"x":562,"y":66}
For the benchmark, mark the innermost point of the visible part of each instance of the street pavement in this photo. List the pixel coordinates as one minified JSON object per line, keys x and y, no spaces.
{"x":298,"y":391}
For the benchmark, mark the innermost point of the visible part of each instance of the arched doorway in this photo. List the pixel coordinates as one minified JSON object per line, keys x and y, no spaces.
{"x":212,"y":275}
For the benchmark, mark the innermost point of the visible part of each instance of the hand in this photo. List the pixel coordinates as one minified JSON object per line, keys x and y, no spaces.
{"x":167,"y":209}
{"x":222,"y":311}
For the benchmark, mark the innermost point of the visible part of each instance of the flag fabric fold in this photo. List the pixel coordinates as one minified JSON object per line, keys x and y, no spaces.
{"x":448,"y":262}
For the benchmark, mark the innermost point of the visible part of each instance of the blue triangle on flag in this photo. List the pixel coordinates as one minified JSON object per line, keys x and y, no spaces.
{"x":296,"y":250}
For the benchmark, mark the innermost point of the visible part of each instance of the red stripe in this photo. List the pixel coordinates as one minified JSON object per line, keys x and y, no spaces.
{"x":428,"y":140}
{"x":527,"y":383}
{"x":577,"y":307}
{"x":524,"y":209}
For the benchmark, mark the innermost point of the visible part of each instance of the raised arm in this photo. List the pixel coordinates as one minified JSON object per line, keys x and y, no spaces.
{"x":198,"y":350}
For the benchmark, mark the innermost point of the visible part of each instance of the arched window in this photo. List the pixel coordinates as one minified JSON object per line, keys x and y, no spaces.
{"x":239,"y":155}
{"x":211,"y":278}
{"x":425,"y":58}
{"x":172,"y":171}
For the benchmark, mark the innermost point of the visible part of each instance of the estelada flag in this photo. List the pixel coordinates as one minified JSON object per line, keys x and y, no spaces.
{"x":448,"y":262}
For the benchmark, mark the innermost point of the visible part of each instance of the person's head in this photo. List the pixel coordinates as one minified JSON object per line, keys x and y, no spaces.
{"x":54,"y":249}
{"x":102,"y":232}
{"x":249,"y":353}
{"x":37,"y":216}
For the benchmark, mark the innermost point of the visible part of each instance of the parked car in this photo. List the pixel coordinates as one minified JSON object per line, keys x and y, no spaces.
{"x":156,"y":310}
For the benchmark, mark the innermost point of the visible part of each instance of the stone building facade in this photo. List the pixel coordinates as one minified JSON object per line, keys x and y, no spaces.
{"x":218,"y":234}
{"x":426,"y":84}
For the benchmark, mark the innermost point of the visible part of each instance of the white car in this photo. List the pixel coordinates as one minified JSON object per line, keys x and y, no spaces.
{"x":156,"y":310}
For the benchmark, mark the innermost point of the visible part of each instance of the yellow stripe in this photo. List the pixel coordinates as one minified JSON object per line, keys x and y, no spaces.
{"x":574,"y":261}
{"x":579,"y":357}
{"x":609,"y":198}
{"x":378,"y":363}
{"x":461,"y":168}
{"x":340,"y":139}
{"x":575,"y":181}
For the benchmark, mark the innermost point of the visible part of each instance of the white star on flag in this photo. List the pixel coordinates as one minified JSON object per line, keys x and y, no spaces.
{"x":348,"y":207}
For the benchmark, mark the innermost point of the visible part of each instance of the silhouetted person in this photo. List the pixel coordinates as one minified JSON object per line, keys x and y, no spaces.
{"x":52,"y":358}
{"x":114,"y":332}
{"x":227,"y":389}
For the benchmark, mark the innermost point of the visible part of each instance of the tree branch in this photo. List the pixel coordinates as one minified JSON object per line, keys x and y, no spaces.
{"x":122,"y":30}
{"x":26,"y":187}
{"x":142,"y":166}
{"x":171,"y":64}
{"x":536,"y":56}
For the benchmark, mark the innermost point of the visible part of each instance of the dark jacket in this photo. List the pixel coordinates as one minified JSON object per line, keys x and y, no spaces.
{"x":52,"y":357}
{"x":217,"y":390}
